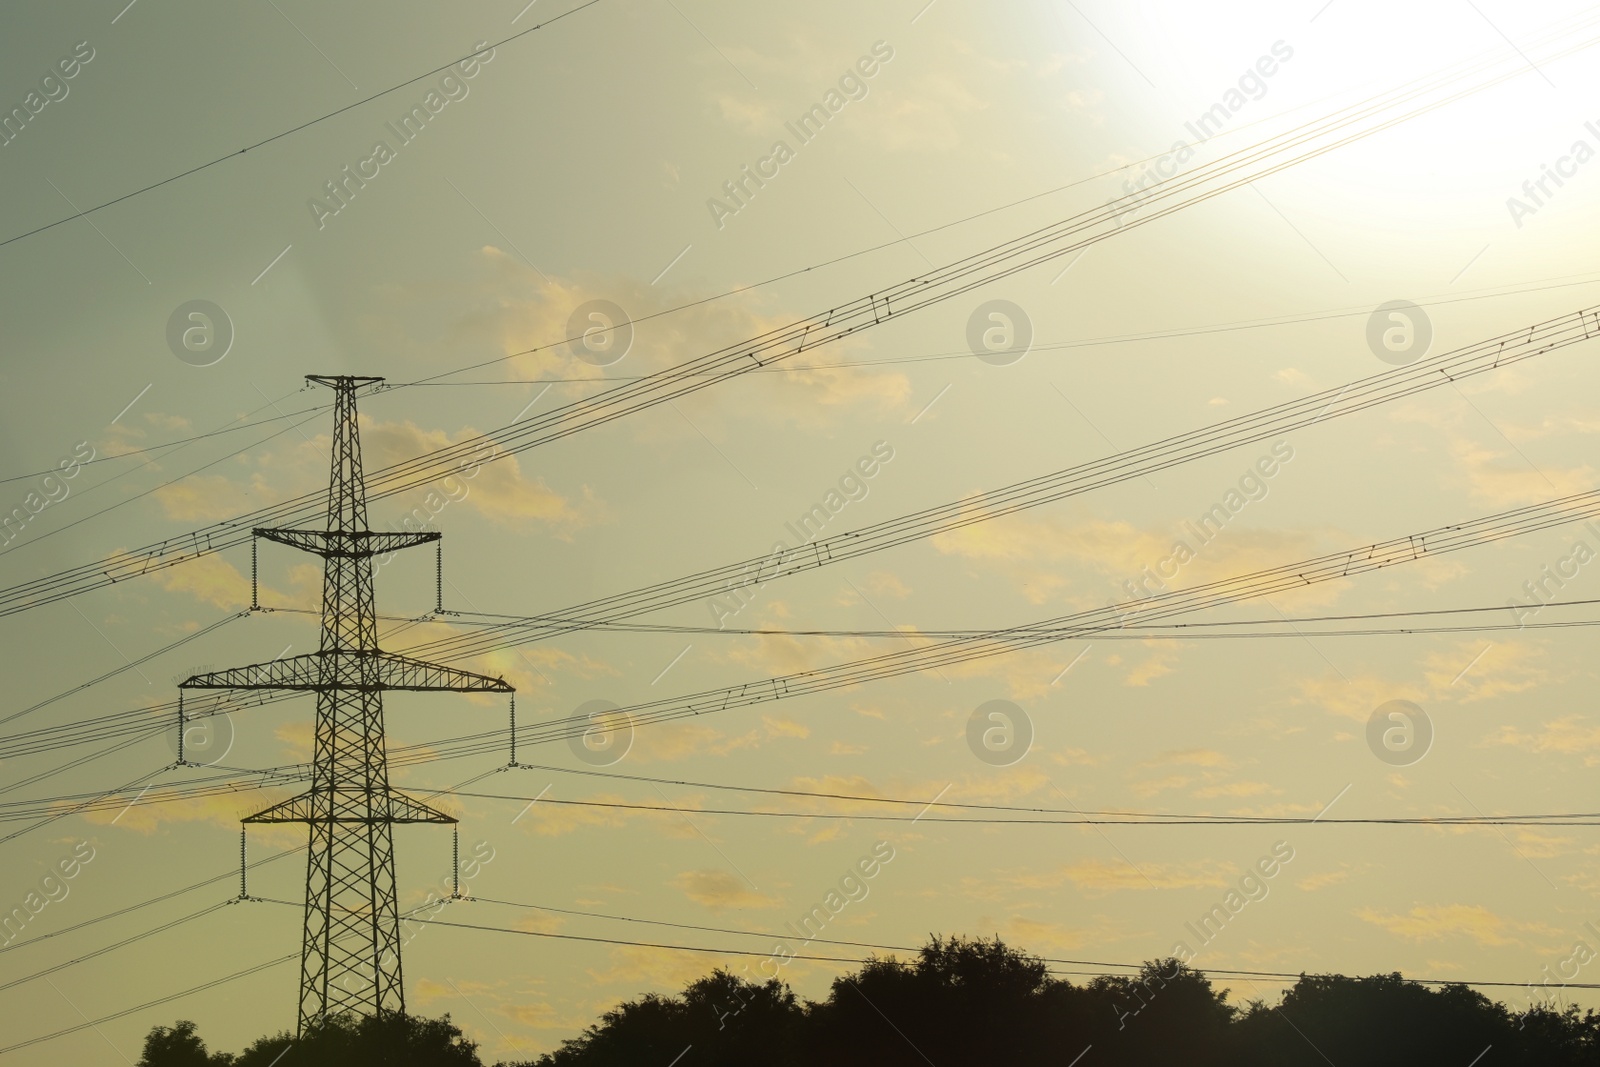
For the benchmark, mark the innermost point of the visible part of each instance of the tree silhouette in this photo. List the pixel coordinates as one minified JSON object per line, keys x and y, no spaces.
{"x":1384,"y":1020}
{"x":724,"y":1018}
{"x":179,"y":1046}
{"x":378,"y":1041}
{"x":964,"y":1002}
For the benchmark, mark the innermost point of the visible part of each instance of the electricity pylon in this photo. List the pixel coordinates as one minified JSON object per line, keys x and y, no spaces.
{"x":350,"y":958}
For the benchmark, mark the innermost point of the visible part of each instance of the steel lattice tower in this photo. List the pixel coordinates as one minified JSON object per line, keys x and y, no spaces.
{"x":350,"y":958}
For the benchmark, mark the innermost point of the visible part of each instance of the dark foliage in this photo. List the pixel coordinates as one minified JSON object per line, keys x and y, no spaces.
{"x":979,"y":1003}
{"x":382,"y":1041}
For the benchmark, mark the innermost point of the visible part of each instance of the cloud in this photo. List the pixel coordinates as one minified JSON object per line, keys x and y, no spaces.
{"x":747,"y":115}
{"x":1533,"y":844}
{"x":554,"y":820}
{"x":298,"y":737}
{"x":1569,"y":735}
{"x":665,"y":742}
{"x":496,"y":489}
{"x":781,"y":727}
{"x":152,"y":811}
{"x":1466,"y":672}
{"x":209,"y":579}
{"x":531,"y":669}
{"x":530,"y":312}
{"x":1192,"y":757}
{"x":647,"y":969}
{"x":541,"y":923}
{"x":1153,"y":786}
{"x":720,"y":890}
{"x":1078,"y":757}
{"x":1036,"y":934}
{"x":922,"y":113}
{"x":1156,"y":665}
{"x":1355,"y":697}
{"x":1438,"y":922}
{"x":1098,"y":877}
{"x":1037,"y":552}
{"x":539,"y":1016}
{"x":1237,"y":789}
{"x":1486,"y":461}
{"x":209,"y":497}
{"x":1210,"y":778}
{"x":1473,"y":670}
{"x":1314,"y":882}
{"x":882,"y":583}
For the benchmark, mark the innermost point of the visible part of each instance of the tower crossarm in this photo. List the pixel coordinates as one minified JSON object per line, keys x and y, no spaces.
{"x":349,"y":670}
{"x":346,"y":544}
{"x":333,"y":807}
{"x":403,"y":672}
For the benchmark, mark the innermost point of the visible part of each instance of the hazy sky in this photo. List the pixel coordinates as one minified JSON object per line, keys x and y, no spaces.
{"x":587,"y":161}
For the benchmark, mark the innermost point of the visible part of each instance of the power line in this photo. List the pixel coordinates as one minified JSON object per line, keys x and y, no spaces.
{"x":104,"y":949}
{"x":137,"y":720}
{"x":1165,"y":187}
{"x":293,"y":129}
{"x":57,"y":815}
{"x":147,"y":1005}
{"x":202,"y":987}
{"x":155,"y":488}
{"x":1377,"y":556}
{"x":695,"y":949}
{"x":129,"y":665}
{"x":203,"y":883}
{"x":1135,"y":632}
{"x":109,"y":750}
{"x":1584,"y":819}
{"x":1469,"y":296}
{"x":169,"y":998}
{"x":235,"y":780}
{"x":181,"y":441}
{"x":1030,"y":250}
{"x":733,"y":578}
{"x":1133,"y":967}
{"x":141,"y":905}
{"x":176,"y":447}
{"x":860,"y":798}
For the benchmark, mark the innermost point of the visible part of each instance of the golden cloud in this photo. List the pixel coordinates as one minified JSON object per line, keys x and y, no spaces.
{"x":1568,"y":735}
{"x":1098,"y":877}
{"x":1437,"y":922}
{"x":209,"y":579}
{"x":720,"y":890}
{"x":532,"y":311}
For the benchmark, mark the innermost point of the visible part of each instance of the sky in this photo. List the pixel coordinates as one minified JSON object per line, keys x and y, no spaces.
{"x":586,"y":161}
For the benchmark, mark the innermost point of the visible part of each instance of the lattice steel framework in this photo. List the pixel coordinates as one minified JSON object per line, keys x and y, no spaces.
{"x":350,"y":958}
